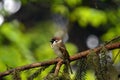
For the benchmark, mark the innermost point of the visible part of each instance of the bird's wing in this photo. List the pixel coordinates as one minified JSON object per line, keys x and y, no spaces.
{"x":64,"y":51}
{"x":66,"y":56}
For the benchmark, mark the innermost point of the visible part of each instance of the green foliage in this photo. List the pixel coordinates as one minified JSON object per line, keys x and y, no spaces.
{"x":61,"y":9}
{"x":90,"y":75}
{"x":101,"y":65}
{"x":18,"y":48}
{"x":20,"y":45}
{"x":73,"y":3}
{"x":16,"y":38}
{"x":81,"y":69}
{"x":72,"y":49}
{"x":116,"y":56}
{"x":112,"y":32}
{"x":36,"y":73}
{"x":85,"y":16}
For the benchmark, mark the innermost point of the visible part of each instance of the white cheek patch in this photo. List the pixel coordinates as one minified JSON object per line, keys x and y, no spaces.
{"x":59,"y":41}
{"x":54,"y":43}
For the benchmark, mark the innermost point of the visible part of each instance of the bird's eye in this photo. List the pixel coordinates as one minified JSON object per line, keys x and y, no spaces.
{"x":56,"y":40}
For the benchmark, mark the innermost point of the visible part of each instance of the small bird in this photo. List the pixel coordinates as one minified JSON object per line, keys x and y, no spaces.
{"x":60,"y":49}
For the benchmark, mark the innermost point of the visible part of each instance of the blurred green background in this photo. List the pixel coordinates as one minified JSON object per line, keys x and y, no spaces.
{"x":26,"y":27}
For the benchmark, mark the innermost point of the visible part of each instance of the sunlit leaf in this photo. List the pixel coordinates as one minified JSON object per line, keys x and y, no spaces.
{"x":116,"y":56}
{"x":111,"y":33}
{"x":86,"y":16}
{"x":61,"y":9}
{"x":90,"y":75}
{"x":73,"y":3}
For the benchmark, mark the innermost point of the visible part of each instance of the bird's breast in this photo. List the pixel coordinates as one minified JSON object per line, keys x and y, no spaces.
{"x":57,"y":51}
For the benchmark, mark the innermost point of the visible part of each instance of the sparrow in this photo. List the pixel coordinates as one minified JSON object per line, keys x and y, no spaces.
{"x":61,"y":51}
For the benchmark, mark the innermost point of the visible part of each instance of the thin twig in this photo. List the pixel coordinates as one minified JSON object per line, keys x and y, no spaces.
{"x":59,"y":64}
{"x":112,"y":40}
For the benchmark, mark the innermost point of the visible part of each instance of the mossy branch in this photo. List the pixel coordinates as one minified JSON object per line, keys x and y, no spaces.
{"x":59,"y":61}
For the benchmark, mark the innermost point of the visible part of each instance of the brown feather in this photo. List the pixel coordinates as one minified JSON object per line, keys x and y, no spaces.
{"x":66,"y":56}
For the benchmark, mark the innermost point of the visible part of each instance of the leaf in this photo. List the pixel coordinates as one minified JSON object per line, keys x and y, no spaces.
{"x":85,"y":16}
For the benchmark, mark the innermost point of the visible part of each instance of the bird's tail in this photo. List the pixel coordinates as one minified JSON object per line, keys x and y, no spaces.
{"x":69,"y":66}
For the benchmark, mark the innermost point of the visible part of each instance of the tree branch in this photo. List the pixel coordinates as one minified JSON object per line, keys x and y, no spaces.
{"x":58,"y":67}
{"x":54,"y":61}
{"x":96,"y":50}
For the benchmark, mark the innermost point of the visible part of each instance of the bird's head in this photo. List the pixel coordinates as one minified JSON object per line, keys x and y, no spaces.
{"x":55,"y":40}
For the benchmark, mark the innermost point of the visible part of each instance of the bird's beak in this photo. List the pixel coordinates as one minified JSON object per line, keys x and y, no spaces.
{"x":51,"y":41}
